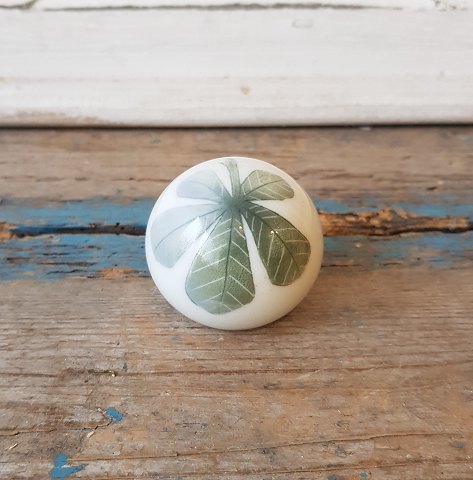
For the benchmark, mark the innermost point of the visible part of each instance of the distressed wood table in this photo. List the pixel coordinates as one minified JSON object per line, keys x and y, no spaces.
{"x":370,"y":377}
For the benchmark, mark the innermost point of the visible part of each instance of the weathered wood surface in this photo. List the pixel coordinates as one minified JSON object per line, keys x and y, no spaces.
{"x":357,"y":168}
{"x":224,"y":63}
{"x":234,"y":5}
{"x":370,"y":377}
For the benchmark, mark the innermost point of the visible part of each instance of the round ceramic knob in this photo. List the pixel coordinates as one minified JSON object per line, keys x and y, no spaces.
{"x":234,"y":243}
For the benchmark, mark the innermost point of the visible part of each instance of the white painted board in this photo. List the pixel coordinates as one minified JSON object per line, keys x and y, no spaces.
{"x":255,"y":4}
{"x":88,"y":4}
{"x":229,"y":67}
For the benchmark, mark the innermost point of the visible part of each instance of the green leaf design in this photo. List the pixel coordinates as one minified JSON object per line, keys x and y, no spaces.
{"x":261,"y":185}
{"x":175,"y":230}
{"x":283,"y":250}
{"x":220,"y":279}
{"x":204,"y":185}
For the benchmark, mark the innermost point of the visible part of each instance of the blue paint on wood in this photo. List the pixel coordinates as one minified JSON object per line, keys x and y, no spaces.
{"x":61,"y":470}
{"x":434,"y":249}
{"x":340,"y":450}
{"x":438,"y":206}
{"x":56,"y":256}
{"x":114,"y":414}
{"x":335,"y":206}
{"x":72,"y":213}
{"x":110,"y":211}
{"x":437,"y":210}
{"x":363,"y":475}
{"x":60,"y":460}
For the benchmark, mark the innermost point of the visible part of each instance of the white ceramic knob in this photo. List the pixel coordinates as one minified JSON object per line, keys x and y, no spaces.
{"x":234,"y":243}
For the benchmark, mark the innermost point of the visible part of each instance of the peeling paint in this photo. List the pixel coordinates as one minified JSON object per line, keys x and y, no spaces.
{"x":57,"y":256}
{"x":54,"y":255}
{"x":114,"y":414}
{"x":112,"y":211}
{"x":61,"y":469}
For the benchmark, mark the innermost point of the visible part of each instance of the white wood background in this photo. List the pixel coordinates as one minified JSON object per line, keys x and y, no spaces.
{"x":222,"y":63}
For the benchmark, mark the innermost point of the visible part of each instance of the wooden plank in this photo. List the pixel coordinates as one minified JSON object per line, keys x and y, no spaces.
{"x":89,"y":4}
{"x":183,"y":68}
{"x":55,"y":255}
{"x":376,"y":381}
{"x":360,"y":169}
{"x":220,"y":4}
{"x":105,"y":236}
{"x":371,"y":376}
{"x":396,"y":186}
{"x":392,"y":184}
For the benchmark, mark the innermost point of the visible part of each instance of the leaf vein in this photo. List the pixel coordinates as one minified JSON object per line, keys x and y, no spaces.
{"x":241,"y":264}
{"x":206,"y":284}
{"x":241,"y":285}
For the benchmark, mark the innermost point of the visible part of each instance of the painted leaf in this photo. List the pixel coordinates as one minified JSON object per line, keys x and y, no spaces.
{"x":175,"y":230}
{"x":220,"y":278}
{"x":232,"y":168}
{"x":261,"y":185}
{"x":204,"y":185}
{"x":283,"y":249}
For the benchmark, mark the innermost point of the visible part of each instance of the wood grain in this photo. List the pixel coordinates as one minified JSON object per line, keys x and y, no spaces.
{"x":371,"y":376}
{"x":389,"y":183}
{"x":260,"y":4}
{"x":358,"y":168}
{"x":376,"y":381}
{"x":248,"y":67}
{"x":232,"y":4}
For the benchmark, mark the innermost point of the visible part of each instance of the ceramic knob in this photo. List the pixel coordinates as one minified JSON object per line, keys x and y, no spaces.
{"x":234,"y":243}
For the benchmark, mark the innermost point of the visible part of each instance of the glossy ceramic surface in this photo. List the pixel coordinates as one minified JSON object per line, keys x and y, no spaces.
{"x":234,"y":243}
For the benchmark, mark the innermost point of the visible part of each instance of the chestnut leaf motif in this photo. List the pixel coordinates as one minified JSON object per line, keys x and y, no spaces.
{"x":220,"y":278}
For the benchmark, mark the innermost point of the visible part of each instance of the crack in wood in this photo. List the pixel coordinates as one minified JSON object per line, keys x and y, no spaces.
{"x":357,"y":438}
{"x":440,"y":5}
{"x":19,"y":6}
{"x":15,"y":432}
{"x":388,"y":222}
{"x":385,"y":222}
{"x":227,"y":6}
{"x":207,"y":6}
